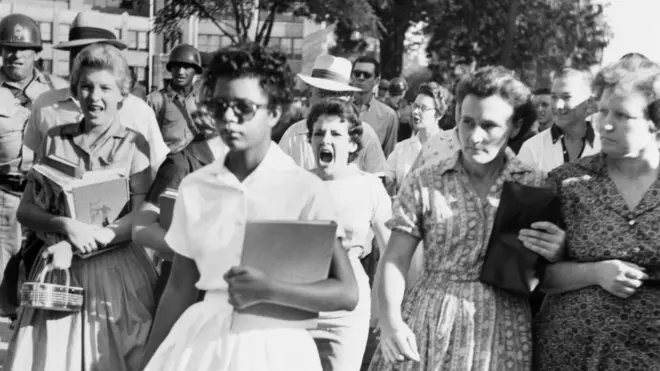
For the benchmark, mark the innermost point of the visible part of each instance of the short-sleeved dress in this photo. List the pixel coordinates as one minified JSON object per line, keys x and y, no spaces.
{"x":111,"y":330}
{"x":590,"y":329}
{"x":176,"y":296}
{"x":208,"y":226}
{"x":459,"y":322}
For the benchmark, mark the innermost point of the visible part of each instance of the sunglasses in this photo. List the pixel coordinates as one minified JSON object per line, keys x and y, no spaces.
{"x":243,"y":109}
{"x":420,"y":107}
{"x":362,"y":74}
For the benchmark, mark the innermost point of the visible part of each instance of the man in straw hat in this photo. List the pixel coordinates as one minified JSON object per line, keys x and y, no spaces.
{"x":330,"y":78}
{"x":20,"y":84}
{"x":59,"y":107}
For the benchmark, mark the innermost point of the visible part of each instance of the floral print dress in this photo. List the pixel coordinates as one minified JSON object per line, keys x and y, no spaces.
{"x":591,"y":329}
{"x":459,"y":322}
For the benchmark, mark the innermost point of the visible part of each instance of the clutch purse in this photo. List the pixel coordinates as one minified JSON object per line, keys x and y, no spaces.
{"x":508,"y":264}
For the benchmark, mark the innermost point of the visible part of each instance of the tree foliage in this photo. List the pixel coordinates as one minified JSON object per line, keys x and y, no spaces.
{"x":548,"y":34}
{"x":234,"y":18}
{"x":395,"y":17}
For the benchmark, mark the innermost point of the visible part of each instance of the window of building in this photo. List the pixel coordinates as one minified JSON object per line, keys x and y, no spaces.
{"x":61,"y":68}
{"x":216,"y":42}
{"x":286,"y":46}
{"x":132,"y":40}
{"x":47,"y":66}
{"x":208,"y":42}
{"x":290,"y":46}
{"x":118,"y":33}
{"x":142,"y":40}
{"x":141,"y":73}
{"x":225,"y":41}
{"x":203,"y":42}
{"x":46,"y":29}
{"x":274,"y":42}
{"x":297,"y":47}
{"x":63,"y":32}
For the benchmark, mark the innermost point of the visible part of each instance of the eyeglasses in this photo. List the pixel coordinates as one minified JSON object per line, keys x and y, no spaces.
{"x":420,"y":107}
{"x":242,"y":108}
{"x":362,"y":74}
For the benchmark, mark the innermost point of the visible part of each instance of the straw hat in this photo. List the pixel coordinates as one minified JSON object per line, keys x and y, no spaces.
{"x":330,"y":73}
{"x":90,"y":27}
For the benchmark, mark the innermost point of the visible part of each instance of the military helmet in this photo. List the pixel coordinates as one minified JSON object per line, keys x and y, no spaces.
{"x":384,"y":85}
{"x":185,"y":54}
{"x":398,"y":86}
{"x":20,"y":31}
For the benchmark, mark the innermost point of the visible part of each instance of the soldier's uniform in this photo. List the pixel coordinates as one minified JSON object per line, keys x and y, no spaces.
{"x":397,"y":89}
{"x":174,"y":111}
{"x":20,"y":32}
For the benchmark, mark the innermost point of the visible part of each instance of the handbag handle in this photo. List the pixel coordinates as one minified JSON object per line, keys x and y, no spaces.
{"x":49,"y":268}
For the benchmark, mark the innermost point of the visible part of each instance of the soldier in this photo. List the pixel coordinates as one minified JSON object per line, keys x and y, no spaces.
{"x":383,"y":87}
{"x":20,"y":84}
{"x":175,"y":103}
{"x":396,"y":99}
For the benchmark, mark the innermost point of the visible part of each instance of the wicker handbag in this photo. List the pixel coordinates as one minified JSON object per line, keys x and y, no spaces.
{"x":52,"y":296}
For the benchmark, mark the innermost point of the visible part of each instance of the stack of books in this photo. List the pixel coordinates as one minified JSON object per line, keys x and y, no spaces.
{"x":96,"y":197}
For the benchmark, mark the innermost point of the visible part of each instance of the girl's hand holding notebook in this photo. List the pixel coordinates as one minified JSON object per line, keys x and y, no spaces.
{"x":247,"y":286}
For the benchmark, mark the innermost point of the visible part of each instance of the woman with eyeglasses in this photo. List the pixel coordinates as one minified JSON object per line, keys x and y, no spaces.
{"x":430,"y":106}
{"x":335,"y":133}
{"x":249,"y":88}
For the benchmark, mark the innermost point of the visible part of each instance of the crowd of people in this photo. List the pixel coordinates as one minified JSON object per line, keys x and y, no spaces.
{"x":415,"y":198}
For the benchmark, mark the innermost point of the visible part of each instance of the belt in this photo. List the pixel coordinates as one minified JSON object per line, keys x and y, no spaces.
{"x":13,"y":183}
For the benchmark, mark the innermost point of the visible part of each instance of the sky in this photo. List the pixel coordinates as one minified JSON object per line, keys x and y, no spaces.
{"x":636,"y":28}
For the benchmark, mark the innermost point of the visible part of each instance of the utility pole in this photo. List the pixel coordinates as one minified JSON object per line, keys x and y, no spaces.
{"x":254,"y":25}
{"x":152,"y":44}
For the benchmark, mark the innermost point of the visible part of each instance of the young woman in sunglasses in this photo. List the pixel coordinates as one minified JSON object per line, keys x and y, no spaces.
{"x":250,"y":88}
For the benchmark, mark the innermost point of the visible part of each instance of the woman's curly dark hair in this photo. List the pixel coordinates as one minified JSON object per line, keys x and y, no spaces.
{"x":254,"y":60}
{"x":346,"y":112}
{"x":441,"y":96}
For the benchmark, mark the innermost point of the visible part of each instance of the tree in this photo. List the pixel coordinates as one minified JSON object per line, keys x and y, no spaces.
{"x":395,"y":18}
{"x":537,"y":37}
{"x":234,"y":18}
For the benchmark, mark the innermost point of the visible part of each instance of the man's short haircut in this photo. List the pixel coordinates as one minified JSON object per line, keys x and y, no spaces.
{"x":493,"y":80}
{"x":368,"y":59}
{"x":583,"y":76}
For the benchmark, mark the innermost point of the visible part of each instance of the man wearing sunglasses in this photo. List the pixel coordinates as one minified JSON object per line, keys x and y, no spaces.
{"x":366,"y":76}
{"x":330,"y":78}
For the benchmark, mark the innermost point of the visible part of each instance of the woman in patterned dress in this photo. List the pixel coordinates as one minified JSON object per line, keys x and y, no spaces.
{"x":110,"y":331}
{"x":449,"y":320}
{"x":602,"y":312}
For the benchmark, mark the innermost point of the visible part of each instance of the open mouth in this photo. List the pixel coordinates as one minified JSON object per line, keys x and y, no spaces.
{"x":326,"y":156}
{"x":94,"y":108}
